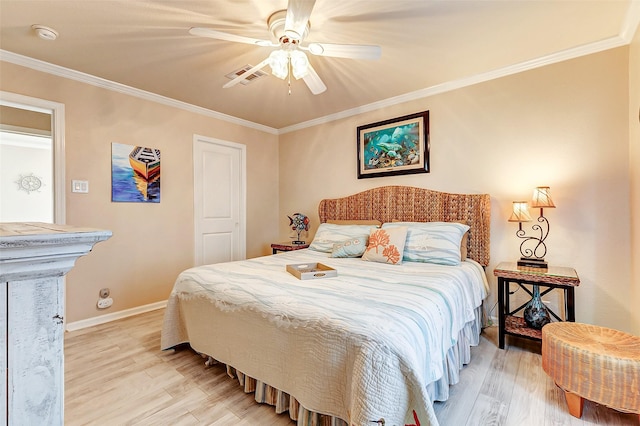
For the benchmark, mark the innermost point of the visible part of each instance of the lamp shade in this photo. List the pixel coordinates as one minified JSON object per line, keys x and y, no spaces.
{"x":542,"y":197}
{"x":520,"y":212}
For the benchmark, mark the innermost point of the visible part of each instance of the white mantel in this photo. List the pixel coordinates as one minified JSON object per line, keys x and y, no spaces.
{"x":33,"y":259}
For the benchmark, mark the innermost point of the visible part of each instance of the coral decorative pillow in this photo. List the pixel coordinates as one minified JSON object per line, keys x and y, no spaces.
{"x":386,"y":245}
{"x":354,"y":247}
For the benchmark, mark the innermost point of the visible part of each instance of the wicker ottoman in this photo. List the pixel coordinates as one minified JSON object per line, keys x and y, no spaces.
{"x":596,"y":363}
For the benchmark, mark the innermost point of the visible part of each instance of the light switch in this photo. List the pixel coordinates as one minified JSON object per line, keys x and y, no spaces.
{"x":81,"y":186}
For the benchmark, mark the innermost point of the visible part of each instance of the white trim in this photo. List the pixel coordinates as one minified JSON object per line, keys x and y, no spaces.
{"x":25,"y":140}
{"x":48,"y":68}
{"x":631,"y":21}
{"x":59,"y":159}
{"x":25,"y":131}
{"x":114,"y":316}
{"x":56,"y":110}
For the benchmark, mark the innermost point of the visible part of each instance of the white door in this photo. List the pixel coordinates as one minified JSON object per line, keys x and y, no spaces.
{"x":219,"y":171}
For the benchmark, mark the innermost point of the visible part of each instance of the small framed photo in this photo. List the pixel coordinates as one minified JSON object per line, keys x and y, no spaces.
{"x":399,"y":146}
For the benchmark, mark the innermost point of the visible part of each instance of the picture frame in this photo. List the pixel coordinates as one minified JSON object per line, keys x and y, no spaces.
{"x":399,"y":146}
{"x":135,"y":174}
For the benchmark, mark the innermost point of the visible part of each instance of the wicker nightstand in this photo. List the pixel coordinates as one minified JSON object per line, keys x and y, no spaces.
{"x":553,"y":277}
{"x":287,"y":246}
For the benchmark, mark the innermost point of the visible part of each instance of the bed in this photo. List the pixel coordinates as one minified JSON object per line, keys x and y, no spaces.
{"x":379,"y":341}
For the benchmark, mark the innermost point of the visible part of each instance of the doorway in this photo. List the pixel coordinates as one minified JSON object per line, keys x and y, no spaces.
{"x":219,"y":192}
{"x":37,"y":191}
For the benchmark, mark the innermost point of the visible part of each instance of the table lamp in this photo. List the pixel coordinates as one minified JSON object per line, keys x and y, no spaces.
{"x":532,"y":248}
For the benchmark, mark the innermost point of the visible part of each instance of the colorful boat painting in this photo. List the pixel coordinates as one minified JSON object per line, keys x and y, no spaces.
{"x":135,"y":174}
{"x":145,"y":161}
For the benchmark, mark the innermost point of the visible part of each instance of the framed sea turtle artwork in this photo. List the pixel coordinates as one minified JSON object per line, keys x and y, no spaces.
{"x":398,"y":146}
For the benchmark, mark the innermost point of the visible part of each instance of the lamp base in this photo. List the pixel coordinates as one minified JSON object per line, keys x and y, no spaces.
{"x":297,"y":242}
{"x":532,"y":262}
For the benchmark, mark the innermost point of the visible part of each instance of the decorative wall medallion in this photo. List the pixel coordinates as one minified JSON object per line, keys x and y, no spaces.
{"x":29,"y":183}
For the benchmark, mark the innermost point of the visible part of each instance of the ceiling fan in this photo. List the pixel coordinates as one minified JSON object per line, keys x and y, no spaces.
{"x":288,"y":30}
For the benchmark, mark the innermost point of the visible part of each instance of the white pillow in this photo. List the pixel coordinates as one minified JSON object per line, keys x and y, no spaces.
{"x":432,"y":242}
{"x":329,"y":234}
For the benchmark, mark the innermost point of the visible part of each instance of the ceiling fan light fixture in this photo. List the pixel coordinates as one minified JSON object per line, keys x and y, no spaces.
{"x":279,"y":63}
{"x":288,"y":29}
{"x":299,"y":64}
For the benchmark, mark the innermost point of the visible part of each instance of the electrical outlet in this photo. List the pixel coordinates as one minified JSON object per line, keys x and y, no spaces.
{"x":104,"y":293}
{"x":105,"y":303}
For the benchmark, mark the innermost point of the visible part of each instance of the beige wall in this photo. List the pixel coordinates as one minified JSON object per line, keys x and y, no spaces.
{"x":563,"y":125}
{"x":151,"y":243}
{"x":634,"y":167}
{"x":25,"y":119}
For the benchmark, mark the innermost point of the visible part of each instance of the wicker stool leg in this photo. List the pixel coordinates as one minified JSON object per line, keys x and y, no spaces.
{"x":575,"y":403}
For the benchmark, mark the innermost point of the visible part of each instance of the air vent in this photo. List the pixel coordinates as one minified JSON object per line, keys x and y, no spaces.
{"x":253,"y":77}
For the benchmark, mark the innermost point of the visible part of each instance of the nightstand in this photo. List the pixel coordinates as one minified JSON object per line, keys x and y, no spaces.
{"x":563,"y":278}
{"x":287,"y":246}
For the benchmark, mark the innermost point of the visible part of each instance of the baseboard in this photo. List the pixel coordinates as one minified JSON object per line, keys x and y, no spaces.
{"x":102,"y":319}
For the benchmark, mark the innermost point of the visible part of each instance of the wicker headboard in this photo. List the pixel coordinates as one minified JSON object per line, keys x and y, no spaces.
{"x":406,"y":203}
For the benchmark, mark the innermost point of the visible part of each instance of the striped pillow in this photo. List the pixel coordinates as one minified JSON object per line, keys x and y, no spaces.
{"x":328,"y":234}
{"x":432,"y":242}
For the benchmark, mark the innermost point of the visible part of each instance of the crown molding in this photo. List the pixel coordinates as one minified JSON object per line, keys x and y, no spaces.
{"x":599,"y":46}
{"x":59,"y":71}
{"x":631,"y":22}
{"x":627,"y":32}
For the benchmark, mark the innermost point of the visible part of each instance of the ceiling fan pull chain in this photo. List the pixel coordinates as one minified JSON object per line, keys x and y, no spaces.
{"x":289,"y":73}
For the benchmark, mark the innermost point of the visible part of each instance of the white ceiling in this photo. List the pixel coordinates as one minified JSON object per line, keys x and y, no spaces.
{"x":427,"y":46}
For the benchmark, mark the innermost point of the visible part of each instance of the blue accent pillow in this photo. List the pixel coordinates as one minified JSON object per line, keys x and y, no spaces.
{"x":354,"y":247}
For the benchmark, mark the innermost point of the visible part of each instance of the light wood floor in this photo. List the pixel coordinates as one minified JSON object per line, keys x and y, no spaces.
{"x":115,"y":374}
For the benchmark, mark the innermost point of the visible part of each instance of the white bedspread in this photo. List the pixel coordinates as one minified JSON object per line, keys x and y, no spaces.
{"x":361,"y":346}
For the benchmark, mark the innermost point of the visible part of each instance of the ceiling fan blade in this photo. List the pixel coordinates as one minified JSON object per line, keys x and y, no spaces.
{"x":298,"y":13}
{"x":219,"y":35}
{"x":246,"y":74}
{"x":351,"y":51}
{"x":314,"y":82}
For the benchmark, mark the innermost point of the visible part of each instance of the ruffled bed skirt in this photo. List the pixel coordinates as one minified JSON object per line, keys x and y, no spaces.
{"x":457,"y":356}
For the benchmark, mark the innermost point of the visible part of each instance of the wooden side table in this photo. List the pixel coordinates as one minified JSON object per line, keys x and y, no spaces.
{"x":563,"y":278}
{"x":287,"y":246}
